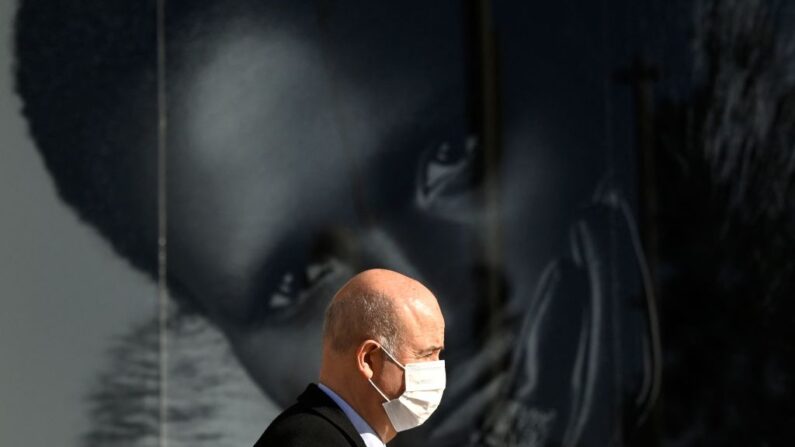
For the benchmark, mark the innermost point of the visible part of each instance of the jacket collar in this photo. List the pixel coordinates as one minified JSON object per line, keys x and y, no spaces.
{"x":316,"y":400}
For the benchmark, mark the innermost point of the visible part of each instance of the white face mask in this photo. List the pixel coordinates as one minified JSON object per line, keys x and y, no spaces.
{"x":425,"y":382}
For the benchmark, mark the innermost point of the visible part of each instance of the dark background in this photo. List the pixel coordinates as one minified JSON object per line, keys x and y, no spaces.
{"x":656,"y":134}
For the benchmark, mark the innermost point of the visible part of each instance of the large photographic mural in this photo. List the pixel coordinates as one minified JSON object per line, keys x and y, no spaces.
{"x":599,"y":194}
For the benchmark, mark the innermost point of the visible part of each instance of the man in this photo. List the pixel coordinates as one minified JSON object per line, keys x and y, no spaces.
{"x":379,"y":328}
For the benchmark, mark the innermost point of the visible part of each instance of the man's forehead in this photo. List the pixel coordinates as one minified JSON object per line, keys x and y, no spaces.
{"x":427,"y":343}
{"x":421,"y":308}
{"x":425,"y":326}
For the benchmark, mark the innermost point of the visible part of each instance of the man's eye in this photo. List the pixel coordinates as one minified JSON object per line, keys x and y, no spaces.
{"x":446,"y":171}
{"x":292,"y":287}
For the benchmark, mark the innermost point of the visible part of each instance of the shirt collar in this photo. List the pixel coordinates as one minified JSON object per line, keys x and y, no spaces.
{"x":370,"y":438}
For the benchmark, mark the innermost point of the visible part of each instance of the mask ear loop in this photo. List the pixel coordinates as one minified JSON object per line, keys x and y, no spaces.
{"x":396,"y":362}
{"x":392,"y":357}
{"x":379,"y":391}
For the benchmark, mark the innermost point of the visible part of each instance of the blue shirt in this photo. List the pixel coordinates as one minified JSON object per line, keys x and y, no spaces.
{"x":370,"y":438}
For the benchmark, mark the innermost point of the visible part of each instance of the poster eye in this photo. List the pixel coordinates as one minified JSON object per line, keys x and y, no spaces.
{"x":287,"y":291}
{"x":446,"y":171}
{"x":295,"y":284}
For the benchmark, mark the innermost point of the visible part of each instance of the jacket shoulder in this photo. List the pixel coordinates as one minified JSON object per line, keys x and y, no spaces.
{"x":299,"y":426}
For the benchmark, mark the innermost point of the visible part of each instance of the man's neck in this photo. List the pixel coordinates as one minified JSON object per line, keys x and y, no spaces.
{"x":370,"y":437}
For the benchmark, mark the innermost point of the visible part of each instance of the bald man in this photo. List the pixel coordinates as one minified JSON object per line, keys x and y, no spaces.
{"x":380,"y":372}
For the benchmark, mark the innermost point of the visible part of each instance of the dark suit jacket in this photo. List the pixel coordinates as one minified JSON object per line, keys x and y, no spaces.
{"x":315,"y":421}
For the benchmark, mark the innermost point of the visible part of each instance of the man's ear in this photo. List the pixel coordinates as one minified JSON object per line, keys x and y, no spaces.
{"x":368,"y":362}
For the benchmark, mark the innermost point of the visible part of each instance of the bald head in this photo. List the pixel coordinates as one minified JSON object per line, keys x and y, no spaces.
{"x":376,"y":304}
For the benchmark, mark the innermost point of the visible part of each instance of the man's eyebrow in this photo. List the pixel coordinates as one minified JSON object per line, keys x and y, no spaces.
{"x":432,"y":349}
